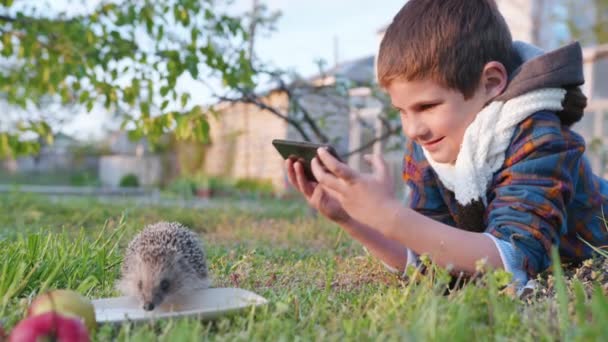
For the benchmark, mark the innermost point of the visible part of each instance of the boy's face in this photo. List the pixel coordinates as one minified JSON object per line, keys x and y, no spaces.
{"x":434,"y":116}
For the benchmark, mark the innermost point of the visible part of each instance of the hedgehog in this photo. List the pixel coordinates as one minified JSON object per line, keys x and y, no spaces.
{"x":163,"y":265}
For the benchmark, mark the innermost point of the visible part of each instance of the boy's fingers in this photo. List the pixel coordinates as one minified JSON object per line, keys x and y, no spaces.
{"x":339,"y":169}
{"x":304,"y":185}
{"x":332,"y":193}
{"x":291,"y":175}
{"x":327,"y":179}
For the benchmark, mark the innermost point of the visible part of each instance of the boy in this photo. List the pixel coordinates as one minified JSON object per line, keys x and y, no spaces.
{"x":494,"y":170}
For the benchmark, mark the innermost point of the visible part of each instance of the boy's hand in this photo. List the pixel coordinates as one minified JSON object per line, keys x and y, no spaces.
{"x":363,"y":196}
{"x":315,"y":194}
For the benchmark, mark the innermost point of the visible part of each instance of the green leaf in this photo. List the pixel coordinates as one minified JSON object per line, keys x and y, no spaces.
{"x":135,"y":134}
{"x":562,"y":293}
{"x":185,"y":17}
{"x":145,"y":109}
{"x":201,"y":131}
{"x":194,"y":34}
{"x":7,"y":44}
{"x":182,"y":127}
{"x":184,"y":99}
{"x":161,"y":32}
{"x":90,"y":37}
{"x":209,"y":14}
{"x":84,"y":96}
{"x":46,"y":74}
{"x":65,"y":95}
{"x":192,"y":65}
{"x":164,"y":90}
{"x":164,"y":105}
{"x":107,"y":8}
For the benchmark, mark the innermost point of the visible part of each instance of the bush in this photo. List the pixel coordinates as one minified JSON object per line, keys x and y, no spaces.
{"x":184,"y":187}
{"x":254,"y":186}
{"x":84,"y":179}
{"x":221,"y":186}
{"x":188,"y":186}
{"x":129,"y":181}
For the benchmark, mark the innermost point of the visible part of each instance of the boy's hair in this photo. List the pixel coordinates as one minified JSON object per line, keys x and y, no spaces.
{"x":448,"y":41}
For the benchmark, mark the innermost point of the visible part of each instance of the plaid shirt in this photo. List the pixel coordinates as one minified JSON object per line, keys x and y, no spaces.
{"x":545,"y":194}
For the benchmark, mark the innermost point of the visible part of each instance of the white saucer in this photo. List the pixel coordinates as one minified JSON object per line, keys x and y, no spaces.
{"x":205,"y":304}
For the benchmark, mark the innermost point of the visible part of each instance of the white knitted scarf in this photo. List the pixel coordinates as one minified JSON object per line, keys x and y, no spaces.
{"x":485,"y":141}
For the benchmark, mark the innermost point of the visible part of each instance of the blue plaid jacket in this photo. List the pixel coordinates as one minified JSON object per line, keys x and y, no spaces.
{"x":544,"y":195}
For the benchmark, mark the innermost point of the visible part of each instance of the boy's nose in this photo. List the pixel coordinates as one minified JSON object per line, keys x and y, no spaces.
{"x":414,"y":130}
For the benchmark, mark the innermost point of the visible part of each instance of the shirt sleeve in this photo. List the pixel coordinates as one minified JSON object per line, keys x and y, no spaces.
{"x":512,"y":260}
{"x":528,"y":198}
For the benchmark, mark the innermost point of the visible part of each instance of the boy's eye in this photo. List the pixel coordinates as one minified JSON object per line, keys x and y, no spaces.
{"x":426,"y":106}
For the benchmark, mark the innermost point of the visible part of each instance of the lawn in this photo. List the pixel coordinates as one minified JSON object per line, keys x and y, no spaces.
{"x":320,"y":284}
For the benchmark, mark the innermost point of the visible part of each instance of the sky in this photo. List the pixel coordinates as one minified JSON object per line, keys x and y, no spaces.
{"x":306,"y":31}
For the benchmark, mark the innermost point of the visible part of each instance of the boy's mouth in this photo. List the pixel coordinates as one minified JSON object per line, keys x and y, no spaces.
{"x":432,"y":143}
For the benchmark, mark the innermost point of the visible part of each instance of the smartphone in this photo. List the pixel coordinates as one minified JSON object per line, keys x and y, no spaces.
{"x":302,"y":151}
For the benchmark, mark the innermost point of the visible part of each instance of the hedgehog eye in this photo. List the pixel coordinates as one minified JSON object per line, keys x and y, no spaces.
{"x":164,"y":284}
{"x":140,"y":285}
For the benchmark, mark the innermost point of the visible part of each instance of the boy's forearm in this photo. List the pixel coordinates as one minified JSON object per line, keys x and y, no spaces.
{"x":445,"y":245}
{"x":391,"y":252}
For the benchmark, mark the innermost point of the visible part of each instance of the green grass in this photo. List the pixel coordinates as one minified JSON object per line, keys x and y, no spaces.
{"x":321,"y":285}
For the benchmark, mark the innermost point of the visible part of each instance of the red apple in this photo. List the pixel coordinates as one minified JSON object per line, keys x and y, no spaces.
{"x":67,"y":303}
{"x":50,"y":326}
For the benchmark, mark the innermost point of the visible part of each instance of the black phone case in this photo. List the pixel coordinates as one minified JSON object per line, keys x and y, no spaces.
{"x":302,"y":151}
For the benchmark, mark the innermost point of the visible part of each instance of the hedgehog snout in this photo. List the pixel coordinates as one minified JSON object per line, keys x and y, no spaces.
{"x":154,"y":301}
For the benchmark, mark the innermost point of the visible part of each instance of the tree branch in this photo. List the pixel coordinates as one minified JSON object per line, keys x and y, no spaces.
{"x":253,"y":100}
{"x":308,"y":119}
{"x":371,"y":143}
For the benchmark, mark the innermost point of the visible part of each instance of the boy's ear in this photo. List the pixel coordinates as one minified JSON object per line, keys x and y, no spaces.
{"x":494,"y":79}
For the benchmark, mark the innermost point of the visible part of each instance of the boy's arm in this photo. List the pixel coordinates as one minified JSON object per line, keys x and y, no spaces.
{"x":445,"y":245}
{"x":390,"y":252}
